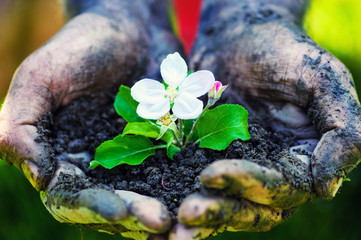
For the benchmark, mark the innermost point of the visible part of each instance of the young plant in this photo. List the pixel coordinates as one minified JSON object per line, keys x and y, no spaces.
{"x":172,"y":113}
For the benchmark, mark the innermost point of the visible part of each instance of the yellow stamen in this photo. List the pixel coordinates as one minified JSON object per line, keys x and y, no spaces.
{"x":171,"y":93}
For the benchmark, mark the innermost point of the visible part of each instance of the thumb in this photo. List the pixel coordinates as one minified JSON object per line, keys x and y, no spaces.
{"x":20,"y":144}
{"x":336,"y":113}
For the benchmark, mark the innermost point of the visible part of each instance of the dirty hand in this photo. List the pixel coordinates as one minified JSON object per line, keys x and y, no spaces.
{"x":277,"y":71}
{"x":104,"y":45}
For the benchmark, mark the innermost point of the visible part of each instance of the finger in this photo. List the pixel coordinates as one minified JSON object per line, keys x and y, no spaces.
{"x":229,"y":214}
{"x":182,"y":232}
{"x":256,"y":183}
{"x":18,"y":147}
{"x":336,"y":113}
{"x":145,"y":213}
{"x":27,"y":100}
{"x":338,"y":152}
{"x":72,"y":199}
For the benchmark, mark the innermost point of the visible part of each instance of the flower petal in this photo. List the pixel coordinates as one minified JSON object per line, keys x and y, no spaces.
{"x":153,"y":111}
{"x":148,"y":91}
{"x":198,"y":83}
{"x":187,"y":106}
{"x":173,"y":69}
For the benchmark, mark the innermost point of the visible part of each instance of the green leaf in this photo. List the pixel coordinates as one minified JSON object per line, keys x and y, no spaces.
{"x":142,"y":128}
{"x":171,"y":150}
{"x":129,"y":149}
{"x":220,"y":126}
{"x":147,"y":129}
{"x":93,"y":164}
{"x":168,"y":137}
{"x":126,"y":106}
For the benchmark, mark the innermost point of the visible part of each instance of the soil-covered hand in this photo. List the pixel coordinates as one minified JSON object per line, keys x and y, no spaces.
{"x":104,"y":44}
{"x":277,"y":71}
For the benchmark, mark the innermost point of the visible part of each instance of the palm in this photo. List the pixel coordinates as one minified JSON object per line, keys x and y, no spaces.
{"x":279,"y":73}
{"x":94,"y":52}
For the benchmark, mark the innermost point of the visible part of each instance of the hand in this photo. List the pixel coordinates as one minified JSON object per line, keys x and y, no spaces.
{"x":276,"y":71}
{"x":103,"y":46}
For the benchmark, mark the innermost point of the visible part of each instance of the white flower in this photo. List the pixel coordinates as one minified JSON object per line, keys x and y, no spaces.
{"x":155,"y":100}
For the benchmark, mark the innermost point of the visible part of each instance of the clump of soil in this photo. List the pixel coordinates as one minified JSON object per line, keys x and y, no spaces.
{"x":78,"y":129}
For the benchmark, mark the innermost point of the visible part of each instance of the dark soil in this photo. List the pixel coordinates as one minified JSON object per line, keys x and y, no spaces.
{"x":78,"y":129}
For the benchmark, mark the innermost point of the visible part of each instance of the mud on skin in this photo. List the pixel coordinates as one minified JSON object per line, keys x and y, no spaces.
{"x":76,"y":131}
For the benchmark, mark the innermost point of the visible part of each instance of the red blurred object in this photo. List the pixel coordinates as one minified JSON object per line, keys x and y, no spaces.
{"x":187,"y":14}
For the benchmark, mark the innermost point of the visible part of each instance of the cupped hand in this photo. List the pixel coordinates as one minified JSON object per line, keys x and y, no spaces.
{"x":279,"y":73}
{"x":104,"y":45}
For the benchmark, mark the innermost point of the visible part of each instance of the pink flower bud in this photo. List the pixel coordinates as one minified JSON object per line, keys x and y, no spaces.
{"x":217,"y":85}
{"x":215,"y":93}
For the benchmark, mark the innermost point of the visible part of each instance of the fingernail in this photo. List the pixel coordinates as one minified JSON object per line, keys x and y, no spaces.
{"x":31,"y":172}
{"x":332,"y":187}
{"x":152,"y":214}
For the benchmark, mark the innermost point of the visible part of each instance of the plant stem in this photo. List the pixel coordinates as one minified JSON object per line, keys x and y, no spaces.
{"x":177,"y":136}
{"x":195,"y":124}
{"x":160,"y":146}
{"x":181,"y":131}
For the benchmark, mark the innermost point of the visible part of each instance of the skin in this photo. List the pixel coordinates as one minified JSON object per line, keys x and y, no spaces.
{"x":104,"y":43}
{"x":277,"y":71}
{"x":255,"y":46}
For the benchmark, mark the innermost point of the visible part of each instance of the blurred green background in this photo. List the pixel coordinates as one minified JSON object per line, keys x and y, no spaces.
{"x":26,"y":24}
